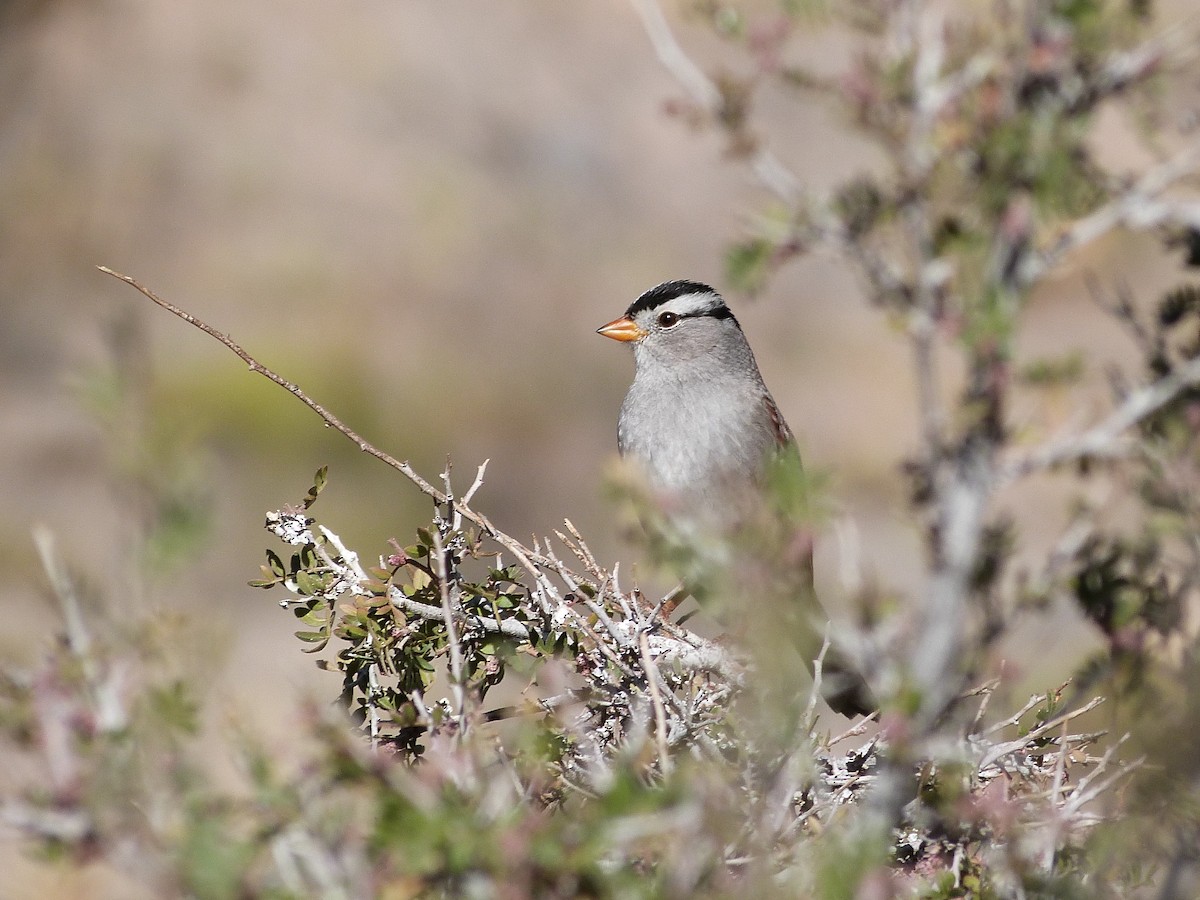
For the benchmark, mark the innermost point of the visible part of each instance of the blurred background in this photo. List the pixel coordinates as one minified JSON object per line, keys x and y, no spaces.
{"x":419,"y":211}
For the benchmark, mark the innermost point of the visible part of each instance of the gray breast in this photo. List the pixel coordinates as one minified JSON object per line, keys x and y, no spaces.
{"x":701,"y":448}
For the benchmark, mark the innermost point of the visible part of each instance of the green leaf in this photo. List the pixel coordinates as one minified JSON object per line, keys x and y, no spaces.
{"x":319,"y":481}
{"x":406,"y":715}
{"x":319,"y":640}
{"x":797,"y":493}
{"x":175,"y":706}
{"x":860,"y":205}
{"x":276,"y":564}
{"x":267,"y":581}
{"x":213,"y":861}
{"x":315,"y":618}
{"x":747,"y":264}
{"x":309,"y":584}
{"x":1049,"y":372}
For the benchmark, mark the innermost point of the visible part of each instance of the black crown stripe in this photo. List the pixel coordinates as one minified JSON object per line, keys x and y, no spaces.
{"x":668,"y":290}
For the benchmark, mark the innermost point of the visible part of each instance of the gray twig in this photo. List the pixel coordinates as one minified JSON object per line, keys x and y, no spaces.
{"x":1103,"y":440}
{"x":457,"y":685}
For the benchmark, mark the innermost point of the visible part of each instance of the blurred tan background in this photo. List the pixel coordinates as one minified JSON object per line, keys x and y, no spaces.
{"x":420,"y":211}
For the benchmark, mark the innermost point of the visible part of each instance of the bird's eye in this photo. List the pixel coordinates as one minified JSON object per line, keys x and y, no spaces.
{"x":667,"y":319}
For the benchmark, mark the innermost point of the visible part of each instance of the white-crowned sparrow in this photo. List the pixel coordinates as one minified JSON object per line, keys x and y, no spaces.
{"x":698,"y":420}
{"x":701,"y":426}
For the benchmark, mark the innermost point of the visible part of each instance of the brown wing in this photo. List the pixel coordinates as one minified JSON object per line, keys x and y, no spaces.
{"x":785,"y":438}
{"x":783,"y":434}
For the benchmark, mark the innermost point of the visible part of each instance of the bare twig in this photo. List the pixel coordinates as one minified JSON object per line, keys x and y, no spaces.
{"x":1089,"y":789}
{"x":509,"y":627}
{"x":1016,"y":717}
{"x":660,"y":713}
{"x":810,"y":712}
{"x":699,"y":86}
{"x":856,"y":730}
{"x":1104,"y":439}
{"x":986,"y":691}
{"x":668,"y":602}
{"x":455,"y":518}
{"x":595,"y":608}
{"x":352,"y":574}
{"x":104,"y":687}
{"x":581,"y":548}
{"x":1139,"y":207}
{"x":627,"y":606}
{"x":457,"y":684}
{"x":529,"y":560}
{"x":258,"y":368}
{"x":925,"y":34}
{"x":79,"y":639}
{"x":477,"y":483}
{"x":703,"y":92}
{"x":1060,"y":768}
{"x":996,"y":752}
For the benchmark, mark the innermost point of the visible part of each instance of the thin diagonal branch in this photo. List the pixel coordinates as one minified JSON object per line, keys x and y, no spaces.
{"x":528,"y":559}
{"x":1139,"y":207}
{"x":705,"y":93}
{"x":1105,"y":438}
{"x":689,"y":75}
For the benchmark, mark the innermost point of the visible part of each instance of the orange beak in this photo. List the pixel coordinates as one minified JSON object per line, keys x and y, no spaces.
{"x":621,"y":329}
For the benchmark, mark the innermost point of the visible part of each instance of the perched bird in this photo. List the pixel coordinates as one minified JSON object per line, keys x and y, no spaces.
{"x":701,"y":427}
{"x":698,"y":420}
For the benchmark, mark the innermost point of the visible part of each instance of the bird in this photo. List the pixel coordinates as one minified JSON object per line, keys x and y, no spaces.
{"x":698,"y":420}
{"x":700,"y":427}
